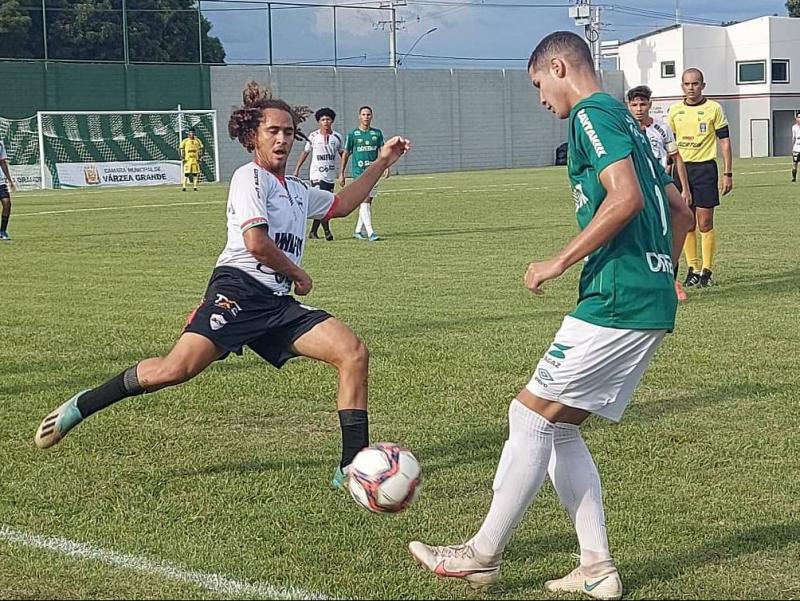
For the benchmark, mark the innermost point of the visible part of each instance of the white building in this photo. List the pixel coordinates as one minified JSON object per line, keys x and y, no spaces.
{"x":751,"y":68}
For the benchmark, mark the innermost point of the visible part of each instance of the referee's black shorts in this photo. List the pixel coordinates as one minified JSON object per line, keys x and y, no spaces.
{"x":239,"y":311}
{"x":703,"y":183}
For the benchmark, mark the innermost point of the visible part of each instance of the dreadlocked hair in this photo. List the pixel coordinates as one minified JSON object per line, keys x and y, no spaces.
{"x":245,"y":120}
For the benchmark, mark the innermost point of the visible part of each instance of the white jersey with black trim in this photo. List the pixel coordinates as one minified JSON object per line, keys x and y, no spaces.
{"x":662,"y":140}
{"x":324,"y":150}
{"x":256,"y":197}
{"x":3,"y":157}
{"x":796,"y":136}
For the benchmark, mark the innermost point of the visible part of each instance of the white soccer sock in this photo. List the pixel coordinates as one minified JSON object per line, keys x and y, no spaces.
{"x":360,"y":223}
{"x":365,"y":215}
{"x":577,"y":482}
{"x":520,"y":473}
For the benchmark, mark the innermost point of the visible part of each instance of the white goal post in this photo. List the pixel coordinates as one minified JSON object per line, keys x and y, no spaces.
{"x":122,"y":148}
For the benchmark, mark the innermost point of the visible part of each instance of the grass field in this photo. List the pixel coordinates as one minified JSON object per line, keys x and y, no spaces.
{"x":229,"y":473}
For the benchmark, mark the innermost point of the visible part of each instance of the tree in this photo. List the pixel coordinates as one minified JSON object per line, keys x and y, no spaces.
{"x":793,"y":6}
{"x":158,"y":31}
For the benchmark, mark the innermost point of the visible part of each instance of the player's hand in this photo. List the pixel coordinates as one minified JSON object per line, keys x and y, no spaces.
{"x":687,"y":197}
{"x":727,"y":185}
{"x":302,"y":283}
{"x":13,"y":185}
{"x":394,"y":148}
{"x":539,"y":273}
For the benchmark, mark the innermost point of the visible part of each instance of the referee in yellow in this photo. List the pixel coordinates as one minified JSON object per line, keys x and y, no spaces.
{"x":698,"y":123}
{"x":191,"y":151}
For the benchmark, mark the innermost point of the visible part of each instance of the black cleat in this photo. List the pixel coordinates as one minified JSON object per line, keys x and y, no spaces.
{"x":329,"y":236}
{"x":705,"y":279}
{"x":692,"y":278}
{"x":313,"y":236}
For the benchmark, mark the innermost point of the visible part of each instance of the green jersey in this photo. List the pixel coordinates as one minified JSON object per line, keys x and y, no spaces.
{"x":364,"y":145}
{"x":628,"y":283}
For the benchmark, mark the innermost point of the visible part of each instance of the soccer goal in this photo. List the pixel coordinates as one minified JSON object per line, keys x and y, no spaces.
{"x":122,"y":148}
{"x":21,"y":138}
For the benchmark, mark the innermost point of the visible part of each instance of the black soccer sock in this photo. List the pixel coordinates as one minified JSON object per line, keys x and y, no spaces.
{"x":4,"y":222}
{"x":794,"y":173}
{"x":326,"y":225}
{"x":117,"y":388}
{"x":315,"y":226}
{"x":355,"y":433}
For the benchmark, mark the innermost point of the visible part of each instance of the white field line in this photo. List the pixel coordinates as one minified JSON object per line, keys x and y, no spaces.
{"x":207,"y":580}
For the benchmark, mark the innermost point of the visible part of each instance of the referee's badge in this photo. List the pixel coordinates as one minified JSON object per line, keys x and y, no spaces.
{"x":703,"y":128}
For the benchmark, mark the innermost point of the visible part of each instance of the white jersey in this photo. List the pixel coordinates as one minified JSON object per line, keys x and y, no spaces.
{"x":257,"y":197}
{"x":662,"y":140}
{"x":3,"y":157}
{"x":323,"y":149}
{"x":796,"y":136}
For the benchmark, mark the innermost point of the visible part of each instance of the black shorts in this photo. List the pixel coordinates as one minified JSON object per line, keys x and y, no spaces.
{"x":704,"y":183}
{"x":323,"y":185}
{"x":238,"y":311}
{"x":796,"y":157}
{"x":4,"y":193}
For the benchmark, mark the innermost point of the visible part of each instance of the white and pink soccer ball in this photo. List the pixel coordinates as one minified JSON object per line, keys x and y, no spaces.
{"x":384,"y":478}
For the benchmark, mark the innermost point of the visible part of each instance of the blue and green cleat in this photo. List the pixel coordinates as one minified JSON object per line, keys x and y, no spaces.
{"x":359,"y":236}
{"x":55,"y":426}
{"x":339,"y":481}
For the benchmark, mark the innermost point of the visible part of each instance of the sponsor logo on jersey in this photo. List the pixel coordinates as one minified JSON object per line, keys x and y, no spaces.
{"x":660,"y":263}
{"x":579,"y":197}
{"x":599,"y":149}
{"x":217,"y":322}
{"x":289,"y":243}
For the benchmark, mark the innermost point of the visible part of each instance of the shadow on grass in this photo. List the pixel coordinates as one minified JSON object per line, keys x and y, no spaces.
{"x":247,"y":467}
{"x":761,"y":286}
{"x":478,"y":230}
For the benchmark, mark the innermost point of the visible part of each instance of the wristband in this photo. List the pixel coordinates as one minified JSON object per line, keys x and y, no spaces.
{"x":730,"y":174}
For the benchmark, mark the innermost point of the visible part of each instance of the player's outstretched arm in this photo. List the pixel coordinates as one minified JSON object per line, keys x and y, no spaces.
{"x":267,"y":253}
{"x":352,"y":195}
{"x":300,"y":161}
{"x":726,"y":184}
{"x":622,"y":203}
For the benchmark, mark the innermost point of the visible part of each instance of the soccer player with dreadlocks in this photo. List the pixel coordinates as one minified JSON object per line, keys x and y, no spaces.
{"x":248,"y":300}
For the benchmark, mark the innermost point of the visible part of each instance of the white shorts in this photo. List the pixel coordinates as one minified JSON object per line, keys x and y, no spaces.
{"x":594,"y":368}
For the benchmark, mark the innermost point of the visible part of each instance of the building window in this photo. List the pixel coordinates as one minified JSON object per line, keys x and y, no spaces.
{"x":780,"y":71}
{"x":668,"y":69}
{"x":751,"y":72}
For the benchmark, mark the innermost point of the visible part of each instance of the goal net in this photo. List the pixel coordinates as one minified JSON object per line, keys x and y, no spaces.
{"x":128,"y":148}
{"x":21,"y":138}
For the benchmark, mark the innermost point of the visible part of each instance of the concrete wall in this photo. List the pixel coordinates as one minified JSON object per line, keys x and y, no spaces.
{"x":457,"y":119}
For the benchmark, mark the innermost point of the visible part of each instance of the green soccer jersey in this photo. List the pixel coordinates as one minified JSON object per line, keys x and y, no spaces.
{"x":628,"y":283}
{"x":364,"y":145}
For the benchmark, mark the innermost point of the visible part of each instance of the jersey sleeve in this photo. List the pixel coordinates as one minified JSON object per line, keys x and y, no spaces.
{"x":349,"y":143}
{"x":603,"y":139}
{"x":320,"y":203}
{"x":3,"y":154}
{"x":245,"y":199}
{"x":308,"y":147}
{"x":669,"y":140}
{"x":720,"y":120}
{"x":183,"y":144}
{"x":671,"y":118}
{"x":381,"y":140}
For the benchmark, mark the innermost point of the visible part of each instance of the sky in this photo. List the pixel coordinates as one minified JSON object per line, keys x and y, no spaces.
{"x":504,"y":31}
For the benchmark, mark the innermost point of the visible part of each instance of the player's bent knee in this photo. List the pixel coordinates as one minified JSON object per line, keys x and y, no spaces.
{"x":353,"y":355}
{"x":172,"y":374}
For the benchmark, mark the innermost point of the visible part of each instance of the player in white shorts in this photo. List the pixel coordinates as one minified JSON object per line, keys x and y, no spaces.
{"x":795,"y":146}
{"x":665,"y":149}
{"x":628,"y":210}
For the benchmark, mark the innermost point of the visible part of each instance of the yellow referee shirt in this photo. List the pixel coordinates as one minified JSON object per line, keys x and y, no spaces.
{"x":696,"y":128}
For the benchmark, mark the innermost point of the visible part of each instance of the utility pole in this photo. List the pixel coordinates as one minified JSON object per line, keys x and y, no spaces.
{"x":677,"y":12}
{"x":392,"y":25}
{"x":589,"y":16}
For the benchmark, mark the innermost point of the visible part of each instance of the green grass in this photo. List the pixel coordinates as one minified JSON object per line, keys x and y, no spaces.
{"x":229,"y":473}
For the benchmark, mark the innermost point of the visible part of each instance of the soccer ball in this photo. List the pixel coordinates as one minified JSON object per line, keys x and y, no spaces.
{"x":384,"y":478}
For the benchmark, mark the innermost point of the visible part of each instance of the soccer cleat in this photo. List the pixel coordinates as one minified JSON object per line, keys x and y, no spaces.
{"x":55,"y":426}
{"x":183,"y":189}
{"x":4,"y":236}
{"x":329,"y":237}
{"x":705,"y":279}
{"x":313,"y":236}
{"x":359,"y":236}
{"x":339,"y":481}
{"x":680,"y":292}
{"x":373,"y":237}
{"x":457,"y":561}
{"x":692,"y":278}
{"x":605,"y":584}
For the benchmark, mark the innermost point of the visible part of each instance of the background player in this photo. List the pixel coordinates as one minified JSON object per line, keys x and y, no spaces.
{"x":662,"y":141}
{"x":5,"y":196}
{"x":248,"y":300}
{"x":626,"y":305}
{"x":191,"y":153}
{"x":363,"y":143}
{"x":795,"y":146}
{"x":698,"y":123}
{"x":324,"y":145}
